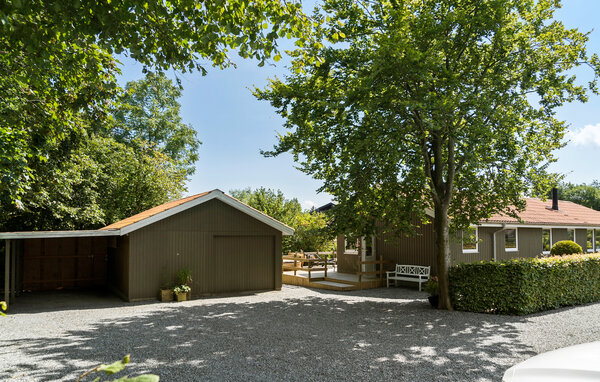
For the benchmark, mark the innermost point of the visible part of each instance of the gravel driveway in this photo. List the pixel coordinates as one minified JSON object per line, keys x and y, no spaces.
{"x":294,"y":334}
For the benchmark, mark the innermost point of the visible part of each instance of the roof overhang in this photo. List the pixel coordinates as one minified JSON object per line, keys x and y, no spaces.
{"x":56,"y":234}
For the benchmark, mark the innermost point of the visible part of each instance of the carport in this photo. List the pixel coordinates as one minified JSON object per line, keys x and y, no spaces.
{"x":50,"y":260}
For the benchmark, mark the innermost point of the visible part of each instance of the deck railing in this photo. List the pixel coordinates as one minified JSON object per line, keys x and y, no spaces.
{"x":380,"y":272}
{"x":313,"y":264}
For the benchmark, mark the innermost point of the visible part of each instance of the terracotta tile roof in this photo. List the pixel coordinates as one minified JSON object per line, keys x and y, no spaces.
{"x":539,"y":212}
{"x":152,"y":211}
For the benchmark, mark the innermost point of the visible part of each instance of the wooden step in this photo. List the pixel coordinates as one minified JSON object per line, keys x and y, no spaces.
{"x":348,"y":282}
{"x":330,"y":285}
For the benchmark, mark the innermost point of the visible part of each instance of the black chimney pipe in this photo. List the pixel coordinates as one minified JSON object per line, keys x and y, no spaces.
{"x":555,"y":198}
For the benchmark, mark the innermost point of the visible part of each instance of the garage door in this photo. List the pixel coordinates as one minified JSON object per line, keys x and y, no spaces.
{"x":243,"y":263}
{"x":64,"y":263}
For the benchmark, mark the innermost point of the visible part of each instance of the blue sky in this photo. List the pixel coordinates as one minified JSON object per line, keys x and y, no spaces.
{"x":234,"y":126}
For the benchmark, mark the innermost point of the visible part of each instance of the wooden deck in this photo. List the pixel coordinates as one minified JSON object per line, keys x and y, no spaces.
{"x":333,"y":280}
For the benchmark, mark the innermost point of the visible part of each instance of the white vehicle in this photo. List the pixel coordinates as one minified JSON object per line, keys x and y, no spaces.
{"x":573,"y":363}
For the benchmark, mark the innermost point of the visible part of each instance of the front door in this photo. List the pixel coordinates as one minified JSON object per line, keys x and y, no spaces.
{"x":367,"y":246}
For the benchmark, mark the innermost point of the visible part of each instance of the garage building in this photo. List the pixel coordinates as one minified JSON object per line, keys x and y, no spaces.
{"x":228,"y":246}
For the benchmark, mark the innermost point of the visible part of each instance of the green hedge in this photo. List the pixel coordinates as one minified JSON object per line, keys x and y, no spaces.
{"x":524,"y":286}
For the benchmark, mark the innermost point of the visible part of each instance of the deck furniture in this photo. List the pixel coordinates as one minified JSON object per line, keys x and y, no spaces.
{"x":304,"y":262}
{"x":415,"y":273}
{"x":329,"y":260}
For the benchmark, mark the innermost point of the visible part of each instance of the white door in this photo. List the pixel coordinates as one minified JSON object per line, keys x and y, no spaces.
{"x":367,"y":246}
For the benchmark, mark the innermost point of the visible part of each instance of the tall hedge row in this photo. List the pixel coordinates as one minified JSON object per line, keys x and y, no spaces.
{"x":524,"y":286}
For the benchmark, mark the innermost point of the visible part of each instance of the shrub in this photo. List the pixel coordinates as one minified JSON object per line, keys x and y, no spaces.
{"x":524,"y":286}
{"x":184,"y":276}
{"x":432,"y":286}
{"x":565,"y":247}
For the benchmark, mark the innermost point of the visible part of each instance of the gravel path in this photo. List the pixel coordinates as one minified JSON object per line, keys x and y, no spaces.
{"x":295,"y":334}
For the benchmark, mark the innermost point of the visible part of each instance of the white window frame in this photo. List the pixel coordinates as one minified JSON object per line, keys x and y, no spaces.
{"x":516,"y":249}
{"x":548,"y":251}
{"x":593,"y":239}
{"x":574,"y":234}
{"x":476,"y":249}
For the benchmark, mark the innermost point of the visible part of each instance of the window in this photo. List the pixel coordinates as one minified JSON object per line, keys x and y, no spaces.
{"x":571,"y":234}
{"x":351,"y":244}
{"x":546,"y":240}
{"x":511,"y":242}
{"x":470,"y":240}
{"x":597,"y":240}
{"x":589,"y":240}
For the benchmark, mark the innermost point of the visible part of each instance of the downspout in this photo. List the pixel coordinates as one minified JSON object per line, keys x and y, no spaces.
{"x":494,"y":235}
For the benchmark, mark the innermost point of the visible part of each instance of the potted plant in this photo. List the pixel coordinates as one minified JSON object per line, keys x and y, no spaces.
{"x":166,"y":289}
{"x":184,"y":278}
{"x":431,"y":287}
{"x":181,"y":292}
{"x":166,"y":294}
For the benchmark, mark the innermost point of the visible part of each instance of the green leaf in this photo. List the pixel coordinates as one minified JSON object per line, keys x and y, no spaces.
{"x":115,"y":367}
{"x":141,"y":378}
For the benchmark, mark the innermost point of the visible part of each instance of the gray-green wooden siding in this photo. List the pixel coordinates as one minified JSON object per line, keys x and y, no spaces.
{"x":226,"y":250}
{"x":420,"y":249}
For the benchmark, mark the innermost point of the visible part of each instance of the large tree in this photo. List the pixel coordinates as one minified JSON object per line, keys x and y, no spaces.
{"x":95,"y":182}
{"x":446,"y":105}
{"x":57,"y":69}
{"x":149,"y":113}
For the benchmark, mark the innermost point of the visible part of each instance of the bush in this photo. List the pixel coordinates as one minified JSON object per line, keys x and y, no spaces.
{"x":565,"y":247}
{"x":524,"y":286}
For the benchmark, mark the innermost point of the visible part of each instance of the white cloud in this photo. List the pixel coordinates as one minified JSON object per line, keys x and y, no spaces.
{"x":308,"y":204}
{"x":588,"y":136}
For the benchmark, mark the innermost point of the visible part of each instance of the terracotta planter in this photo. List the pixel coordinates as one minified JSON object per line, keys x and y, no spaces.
{"x":181,"y":296}
{"x":166,"y":295}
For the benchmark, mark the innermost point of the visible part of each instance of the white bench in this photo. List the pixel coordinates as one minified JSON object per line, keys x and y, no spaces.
{"x":416,"y":273}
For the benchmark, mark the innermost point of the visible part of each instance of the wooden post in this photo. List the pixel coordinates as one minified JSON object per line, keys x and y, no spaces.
{"x":13,"y":275}
{"x":295,"y":263}
{"x":6,"y":271}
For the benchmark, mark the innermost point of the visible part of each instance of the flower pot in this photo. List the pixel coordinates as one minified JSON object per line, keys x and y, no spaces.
{"x":434,"y":300}
{"x":181,"y":296}
{"x":188,"y":295}
{"x":166,"y":295}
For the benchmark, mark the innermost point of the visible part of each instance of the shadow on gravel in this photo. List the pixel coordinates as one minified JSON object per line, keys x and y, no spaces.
{"x":57,"y":300}
{"x":297,"y":339}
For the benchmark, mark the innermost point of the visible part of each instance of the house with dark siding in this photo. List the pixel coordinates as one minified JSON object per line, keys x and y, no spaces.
{"x":498,"y":238}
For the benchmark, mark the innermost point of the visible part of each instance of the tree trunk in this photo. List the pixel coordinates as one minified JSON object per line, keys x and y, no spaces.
{"x":442,"y":242}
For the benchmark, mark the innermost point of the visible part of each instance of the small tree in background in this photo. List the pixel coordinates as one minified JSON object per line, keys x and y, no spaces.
{"x":311,"y":228}
{"x":585,"y":194}
{"x":312,"y":233}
